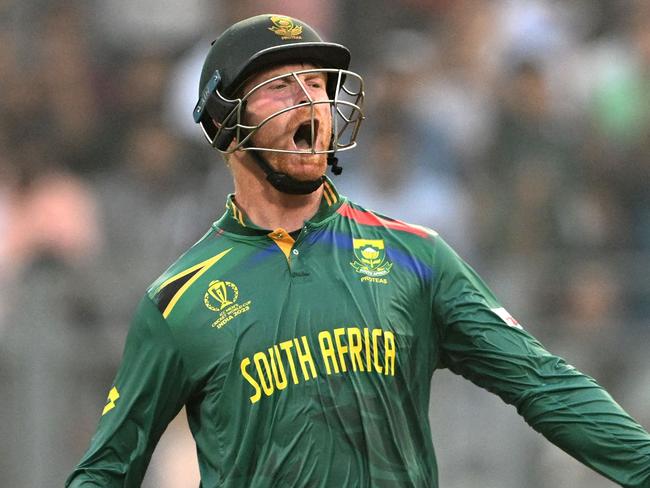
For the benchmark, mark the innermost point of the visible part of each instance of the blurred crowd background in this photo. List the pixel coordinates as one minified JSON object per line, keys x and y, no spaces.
{"x":519,"y":129}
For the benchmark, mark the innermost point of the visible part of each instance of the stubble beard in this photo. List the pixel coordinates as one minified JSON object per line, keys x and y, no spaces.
{"x":301,"y":167}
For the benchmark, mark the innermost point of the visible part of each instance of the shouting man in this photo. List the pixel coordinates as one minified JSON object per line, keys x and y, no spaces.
{"x":301,"y":332}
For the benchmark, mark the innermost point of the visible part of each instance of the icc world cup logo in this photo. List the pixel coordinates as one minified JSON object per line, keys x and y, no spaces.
{"x":220,"y":295}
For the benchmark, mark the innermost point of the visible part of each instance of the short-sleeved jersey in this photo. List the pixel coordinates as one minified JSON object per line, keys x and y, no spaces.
{"x":307,"y":362}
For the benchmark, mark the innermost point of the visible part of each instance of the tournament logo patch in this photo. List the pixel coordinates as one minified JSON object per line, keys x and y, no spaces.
{"x":222,"y":297}
{"x":371,"y":257}
{"x":285,"y":28}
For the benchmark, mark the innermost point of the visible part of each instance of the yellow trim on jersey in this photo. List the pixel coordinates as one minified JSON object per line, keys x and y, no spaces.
{"x":203,"y":266}
{"x":327,"y":198}
{"x":283,"y":240}
{"x":113,"y":395}
{"x":236,"y":213}
{"x":239,"y":216}
{"x":329,"y":193}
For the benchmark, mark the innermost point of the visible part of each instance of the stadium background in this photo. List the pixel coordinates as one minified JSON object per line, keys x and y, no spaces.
{"x":520,"y":130}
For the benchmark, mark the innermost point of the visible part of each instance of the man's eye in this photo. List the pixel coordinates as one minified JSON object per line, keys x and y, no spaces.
{"x":278,"y":85}
{"x":315,"y":83}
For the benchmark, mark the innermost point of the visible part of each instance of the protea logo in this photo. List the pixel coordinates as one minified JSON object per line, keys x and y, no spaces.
{"x":285,"y":28}
{"x":371,"y":257}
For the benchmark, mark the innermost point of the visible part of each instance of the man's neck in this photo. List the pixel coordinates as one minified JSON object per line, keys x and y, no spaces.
{"x":269,"y":208}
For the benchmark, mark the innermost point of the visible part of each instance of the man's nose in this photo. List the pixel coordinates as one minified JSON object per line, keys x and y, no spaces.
{"x":301,"y":93}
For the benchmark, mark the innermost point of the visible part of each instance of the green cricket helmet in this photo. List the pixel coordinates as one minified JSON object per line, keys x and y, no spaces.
{"x":262,"y":42}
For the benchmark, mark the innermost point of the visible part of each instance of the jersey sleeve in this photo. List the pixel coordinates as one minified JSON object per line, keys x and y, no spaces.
{"x":149,"y":390}
{"x":483,"y":343}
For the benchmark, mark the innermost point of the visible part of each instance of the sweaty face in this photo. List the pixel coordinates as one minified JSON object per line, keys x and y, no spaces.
{"x":291,"y":130}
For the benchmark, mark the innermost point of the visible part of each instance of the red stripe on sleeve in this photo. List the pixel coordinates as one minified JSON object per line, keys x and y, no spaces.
{"x":368,"y":218}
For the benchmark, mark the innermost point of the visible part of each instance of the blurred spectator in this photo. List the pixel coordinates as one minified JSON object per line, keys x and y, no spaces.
{"x":154,"y":26}
{"x":529,"y":168}
{"x":50,"y":236}
{"x":136,"y":90}
{"x":141,"y":87}
{"x":46,"y":214}
{"x":622,"y":120}
{"x":455,"y":95}
{"x":68,"y":100}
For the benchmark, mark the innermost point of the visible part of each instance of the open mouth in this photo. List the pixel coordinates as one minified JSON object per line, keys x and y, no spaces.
{"x":302,"y":138}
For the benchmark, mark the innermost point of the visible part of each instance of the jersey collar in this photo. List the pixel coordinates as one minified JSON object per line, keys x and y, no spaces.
{"x":235,"y":219}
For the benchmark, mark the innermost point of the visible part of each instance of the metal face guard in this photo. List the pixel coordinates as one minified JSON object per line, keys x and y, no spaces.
{"x":346,"y":109}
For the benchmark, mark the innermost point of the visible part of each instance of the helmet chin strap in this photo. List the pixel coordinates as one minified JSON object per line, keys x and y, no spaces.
{"x":285,"y":183}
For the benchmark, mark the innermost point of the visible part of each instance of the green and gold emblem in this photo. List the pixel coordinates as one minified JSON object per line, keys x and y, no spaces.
{"x":220,"y":294}
{"x":371,"y":257}
{"x":221,"y":297}
{"x":285,"y":28}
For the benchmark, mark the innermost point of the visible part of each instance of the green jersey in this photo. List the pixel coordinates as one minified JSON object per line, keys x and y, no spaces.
{"x":305,"y":360}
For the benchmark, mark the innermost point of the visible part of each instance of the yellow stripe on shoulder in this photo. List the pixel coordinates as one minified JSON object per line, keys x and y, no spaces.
{"x":198,"y":270}
{"x":330,"y":195}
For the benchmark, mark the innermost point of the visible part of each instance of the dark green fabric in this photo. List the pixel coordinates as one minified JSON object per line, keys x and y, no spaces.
{"x":354,"y":412}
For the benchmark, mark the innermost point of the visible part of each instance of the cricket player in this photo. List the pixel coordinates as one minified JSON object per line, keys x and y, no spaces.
{"x":301,"y":332}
